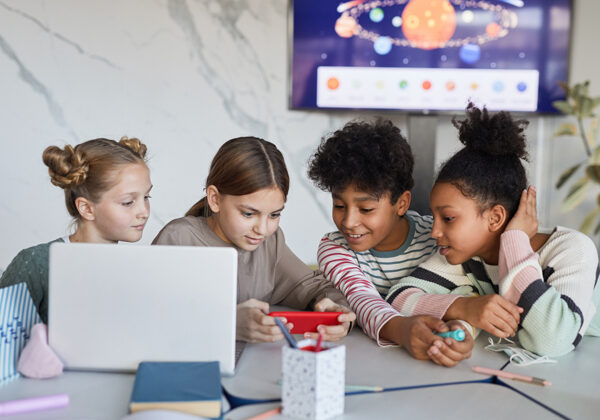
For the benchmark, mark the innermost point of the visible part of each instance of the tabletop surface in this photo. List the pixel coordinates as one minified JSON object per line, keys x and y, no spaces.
{"x":259,"y":368}
{"x":575,"y":378}
{"x":573,"y":393}
{"x":459,"y":401}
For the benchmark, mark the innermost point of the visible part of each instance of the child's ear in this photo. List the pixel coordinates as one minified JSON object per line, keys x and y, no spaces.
{"x":497,"y":217}
{"x":85,"y":208}
{"x":213,"y":198}
{"x":403,"y":203}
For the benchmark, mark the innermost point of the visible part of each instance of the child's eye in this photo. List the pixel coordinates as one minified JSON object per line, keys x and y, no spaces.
{"x":147,"y":197}
{"x":275,"y":215}
{"x":447,"y":219}
{"x":246,"y":214}
{"x":338,"y":206}
{"x":366,"y":210}
{"x":127,"y":203}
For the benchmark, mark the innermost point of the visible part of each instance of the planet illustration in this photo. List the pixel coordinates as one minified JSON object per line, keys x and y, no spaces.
{"x":428,"y":23}
{"x":382,"y":45}
{"x":345,"y":26}
{"x":469,"y":53}
{"x":425,"y":24}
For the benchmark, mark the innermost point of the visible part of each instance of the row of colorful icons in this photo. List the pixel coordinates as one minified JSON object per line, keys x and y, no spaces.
{"x":333,"y":83}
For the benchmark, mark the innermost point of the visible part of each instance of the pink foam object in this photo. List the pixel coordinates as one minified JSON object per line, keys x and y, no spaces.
{"x":37,"y":359}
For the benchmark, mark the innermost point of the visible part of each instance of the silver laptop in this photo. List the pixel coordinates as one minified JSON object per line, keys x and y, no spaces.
{"x":113,"y":306}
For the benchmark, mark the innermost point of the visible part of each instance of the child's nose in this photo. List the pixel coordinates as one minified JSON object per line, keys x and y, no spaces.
{"x":350,"y":219}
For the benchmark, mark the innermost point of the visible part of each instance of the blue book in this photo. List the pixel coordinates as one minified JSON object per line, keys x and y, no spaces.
{"x":188,"y":387}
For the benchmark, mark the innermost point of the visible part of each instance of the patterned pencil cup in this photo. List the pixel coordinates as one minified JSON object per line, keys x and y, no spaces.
{"x":313,"y":383}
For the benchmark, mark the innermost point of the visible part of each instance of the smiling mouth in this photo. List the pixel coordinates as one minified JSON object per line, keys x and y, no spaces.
{"x":354,"y":236}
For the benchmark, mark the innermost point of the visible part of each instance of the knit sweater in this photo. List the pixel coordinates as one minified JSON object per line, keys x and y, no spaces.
{"x":555,"y":286}
{"x":31,"y":266}
{"x":365,"y":277}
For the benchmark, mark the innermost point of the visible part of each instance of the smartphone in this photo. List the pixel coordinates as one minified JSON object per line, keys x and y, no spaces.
{"x":308,"y":321}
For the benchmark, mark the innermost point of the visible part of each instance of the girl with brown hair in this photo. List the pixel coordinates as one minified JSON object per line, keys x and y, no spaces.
{"x":107,"y":186}
{"x":247,"y":187}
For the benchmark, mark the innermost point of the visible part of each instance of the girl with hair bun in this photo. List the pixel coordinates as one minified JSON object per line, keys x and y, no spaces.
{"x":107,"y":186}
{"x":246,"y":189}
{"x":494,"y":269}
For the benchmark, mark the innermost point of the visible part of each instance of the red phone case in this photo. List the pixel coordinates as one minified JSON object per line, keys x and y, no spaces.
{"x":308,"y":321}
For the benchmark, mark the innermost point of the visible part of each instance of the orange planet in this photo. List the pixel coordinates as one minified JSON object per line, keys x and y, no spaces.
{"x":428,"y":23}
{"x":492,"y":29}
{"x":345,"y":26}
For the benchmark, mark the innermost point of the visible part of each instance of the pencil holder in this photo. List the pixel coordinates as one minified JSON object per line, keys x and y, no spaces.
{"x":313,"y":383}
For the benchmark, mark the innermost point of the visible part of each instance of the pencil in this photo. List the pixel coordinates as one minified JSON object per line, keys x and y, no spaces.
{"x":266,"y":414}
{"x":513,"y":376}
{"x":319,"y":343}
{"x":286,"y":334}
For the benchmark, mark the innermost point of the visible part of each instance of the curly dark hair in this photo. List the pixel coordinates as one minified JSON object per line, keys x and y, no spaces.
{"x":374,"y":156}
{"x":489,"y":169}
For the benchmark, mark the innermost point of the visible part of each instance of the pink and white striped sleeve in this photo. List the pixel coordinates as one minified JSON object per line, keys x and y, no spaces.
{"x":339,"y":266}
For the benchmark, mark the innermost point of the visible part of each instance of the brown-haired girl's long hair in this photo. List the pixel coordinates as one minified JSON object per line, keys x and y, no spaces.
{"x":90,"y":168}
{"x":243,"y":166}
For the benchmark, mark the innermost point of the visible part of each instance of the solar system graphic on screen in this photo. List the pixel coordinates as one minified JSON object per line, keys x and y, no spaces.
{"x":429,"y":54}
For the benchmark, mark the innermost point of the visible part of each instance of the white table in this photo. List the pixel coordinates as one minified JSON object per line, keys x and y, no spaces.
{"x":575,"y":389}
{"x":259,"y":368}
{"x":92,"y":396}
{"x":459,"y":401}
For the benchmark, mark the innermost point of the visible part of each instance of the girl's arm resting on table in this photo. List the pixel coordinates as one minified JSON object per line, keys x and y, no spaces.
{"x":556,"y":300}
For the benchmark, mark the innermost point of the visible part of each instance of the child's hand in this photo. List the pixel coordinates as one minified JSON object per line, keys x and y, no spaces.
{"x":525,"y":219}
{"x":491,"y":313}
{"x":332,"y":332}
{"x":450,"y":352}
{"x":254,"y":325}
{"x":414,"y":333}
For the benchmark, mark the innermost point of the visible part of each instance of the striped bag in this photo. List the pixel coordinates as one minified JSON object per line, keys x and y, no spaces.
{"x":17,"y":315}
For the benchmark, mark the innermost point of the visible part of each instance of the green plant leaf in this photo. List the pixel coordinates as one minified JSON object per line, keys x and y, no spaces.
{"x":597,"y":229}
{"x":564,"y":177}
{"x":595,"y":158}
{"x":586,"y":104}
{"x":566,"y":129}
{"x":593,"y":171}
{"x":576,"y":195}
{"x":564,"y":107}
{"x":593,"y":134}
{"x":588,"y":222}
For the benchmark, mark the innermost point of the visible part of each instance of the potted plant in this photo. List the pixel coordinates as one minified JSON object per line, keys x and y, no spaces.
{"x":581,"y":106}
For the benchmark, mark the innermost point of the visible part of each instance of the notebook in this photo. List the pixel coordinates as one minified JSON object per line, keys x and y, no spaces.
{"x":113,"y":306}
{"x":187,"y":387}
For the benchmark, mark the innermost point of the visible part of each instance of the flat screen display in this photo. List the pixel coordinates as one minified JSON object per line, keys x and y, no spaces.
{"x":429,"y":55}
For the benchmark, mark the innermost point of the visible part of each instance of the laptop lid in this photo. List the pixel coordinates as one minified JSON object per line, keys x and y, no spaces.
{"x":113,"y":306}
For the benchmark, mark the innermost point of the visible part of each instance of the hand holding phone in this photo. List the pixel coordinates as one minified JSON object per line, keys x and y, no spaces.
{"x":305,"y":321}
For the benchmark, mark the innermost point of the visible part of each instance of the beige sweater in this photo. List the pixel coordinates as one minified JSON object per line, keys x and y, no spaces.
{"x":272,"y":273}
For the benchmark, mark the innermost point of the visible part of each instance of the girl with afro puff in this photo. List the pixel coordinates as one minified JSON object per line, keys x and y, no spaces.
{"x":492,"y":256}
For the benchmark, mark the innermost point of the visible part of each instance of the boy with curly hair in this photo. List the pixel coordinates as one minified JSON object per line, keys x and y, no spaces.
{"x":367,"y":168}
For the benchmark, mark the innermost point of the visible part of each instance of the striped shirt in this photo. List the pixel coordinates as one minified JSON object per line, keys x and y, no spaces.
{"x":556,"y":287}
{"x":366,"y":277}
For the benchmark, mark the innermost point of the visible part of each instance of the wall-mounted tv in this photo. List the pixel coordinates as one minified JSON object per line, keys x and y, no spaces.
{"x":429,"y":55}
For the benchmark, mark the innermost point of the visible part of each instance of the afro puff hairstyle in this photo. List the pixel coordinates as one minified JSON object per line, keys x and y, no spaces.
{"x":372,"y":156}
{"x":489,"y":169}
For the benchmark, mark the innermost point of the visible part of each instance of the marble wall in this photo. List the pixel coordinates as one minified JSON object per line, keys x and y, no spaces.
{"x":184,"y":76}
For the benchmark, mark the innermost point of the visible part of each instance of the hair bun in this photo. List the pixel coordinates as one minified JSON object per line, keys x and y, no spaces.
{"x":496,"y":135}
{"x":135,"y":145}
{"x":67,"y":167}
